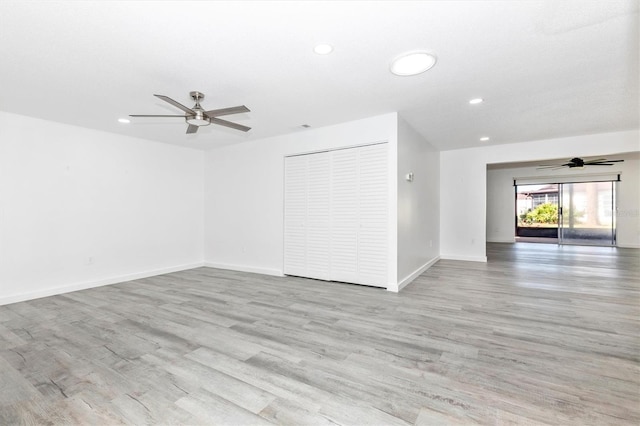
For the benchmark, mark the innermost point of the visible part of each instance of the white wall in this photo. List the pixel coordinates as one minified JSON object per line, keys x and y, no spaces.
{"x":463,"y":175}
{"x":244,"y":192}
{"x":139,"y":208}
{"x":628,"y":203}
{"x":418,"y":204}
{"x":68,"y":194}
{"x":501,"y":205}
{"x":501,"y":210}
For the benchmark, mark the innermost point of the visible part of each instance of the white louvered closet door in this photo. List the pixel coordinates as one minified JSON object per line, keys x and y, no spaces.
{"x":344,"y":215}
{"x":359,"y":215}
{"x":373,"y":238}
{"x":306,"y":216}
{"x":317,"y":225}
{"x":336,"y":215}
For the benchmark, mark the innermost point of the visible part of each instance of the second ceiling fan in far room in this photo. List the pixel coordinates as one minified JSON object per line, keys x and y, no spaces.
{"x":580,"y":163}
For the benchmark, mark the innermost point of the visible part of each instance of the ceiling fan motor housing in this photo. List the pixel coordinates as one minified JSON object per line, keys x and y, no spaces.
{"x":199,"y":119}
{"x":576,"y":162}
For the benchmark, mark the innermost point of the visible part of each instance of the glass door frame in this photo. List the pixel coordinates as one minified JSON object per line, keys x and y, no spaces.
{"x":561,"y":185}
{"x":566,"y":211}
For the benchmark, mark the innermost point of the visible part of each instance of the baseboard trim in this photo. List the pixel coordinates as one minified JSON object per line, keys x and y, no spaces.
{"x":464,"y":258}
{"x":245,"y":268}
{"x":412,"y":276}
{"x":506,"y":240}
{"x":631,"y":246}
{"x":54,"y":291}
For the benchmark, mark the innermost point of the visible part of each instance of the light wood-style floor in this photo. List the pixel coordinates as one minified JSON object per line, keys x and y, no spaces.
{"x":540,"y":334}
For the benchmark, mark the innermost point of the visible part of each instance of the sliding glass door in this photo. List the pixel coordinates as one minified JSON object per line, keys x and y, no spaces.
{"x":537,"y":212}
{"x":581,"y":213}
{"x":587,"y":213}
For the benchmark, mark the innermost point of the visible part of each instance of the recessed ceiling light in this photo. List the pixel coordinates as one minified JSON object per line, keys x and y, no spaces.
{"x":124,"y":120}
{"x":413,"y":63}
{"x":476,"y":101}
{"x":484,"y":138}
{"x":323,"y":49}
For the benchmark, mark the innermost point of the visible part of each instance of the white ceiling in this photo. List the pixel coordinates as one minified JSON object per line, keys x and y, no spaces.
{"x":545,"y":68}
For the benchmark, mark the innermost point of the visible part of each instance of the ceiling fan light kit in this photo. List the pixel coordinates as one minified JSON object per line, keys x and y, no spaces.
{"x":197,"y":116}
{"x":199,"y":119}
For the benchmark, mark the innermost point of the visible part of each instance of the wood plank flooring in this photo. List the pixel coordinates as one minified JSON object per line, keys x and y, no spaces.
{"x":540,"y":334}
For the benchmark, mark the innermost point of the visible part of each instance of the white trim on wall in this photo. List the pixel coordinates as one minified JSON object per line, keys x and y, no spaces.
{"x":245,"y":268}
{"x":412,"y":276}
{"x":54,"y":291}
{"x":501,"y":240}
{"x":464,"y":258}
{"x":380,"y":142}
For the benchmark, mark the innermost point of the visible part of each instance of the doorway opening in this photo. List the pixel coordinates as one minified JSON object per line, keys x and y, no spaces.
{"x":581,"y":213}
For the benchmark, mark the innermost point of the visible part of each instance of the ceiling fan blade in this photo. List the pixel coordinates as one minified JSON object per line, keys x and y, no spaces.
{"x":595,"y":162}
{"x":138,"y":115}
{"x":175,"y":104}
{"x":227,"y":111}
{"x":192,"y":129}
{"x":598,"y":164}
{"x":552,"y":167}
{"x":230,"y":124}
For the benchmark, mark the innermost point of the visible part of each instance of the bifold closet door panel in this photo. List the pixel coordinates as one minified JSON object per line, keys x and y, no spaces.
{"x":317,"y":223}
{"x":306,"y":216}
{"x":373,"y":235}
{"x":344,"y":215}
{"x":295,"y":215}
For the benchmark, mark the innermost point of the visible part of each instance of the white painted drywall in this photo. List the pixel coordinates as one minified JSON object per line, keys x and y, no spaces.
{"x":463,"y":174}
{"x":244,"y":192}
{"x":418,"y":204}
{"x":628,"y":204}
{"x":501,"y":207}
{"x":81,"y":208}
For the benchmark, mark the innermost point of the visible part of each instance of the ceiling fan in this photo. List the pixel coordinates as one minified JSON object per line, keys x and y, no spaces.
{"x":197,"y":116}
{"x":580,"y":163}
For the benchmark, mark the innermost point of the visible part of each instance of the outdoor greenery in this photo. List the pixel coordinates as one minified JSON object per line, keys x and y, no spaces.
{"x":543,"y":213}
